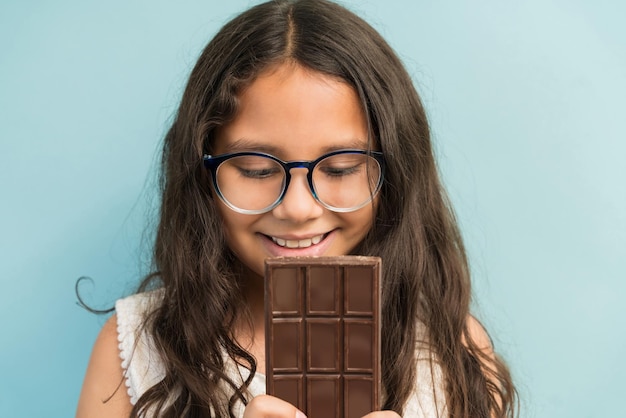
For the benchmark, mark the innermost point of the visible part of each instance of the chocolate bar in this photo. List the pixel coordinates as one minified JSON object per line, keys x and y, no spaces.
{"x":322,"y":334}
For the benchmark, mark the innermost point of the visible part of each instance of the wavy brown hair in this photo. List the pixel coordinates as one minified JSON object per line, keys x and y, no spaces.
{"x":426,"y":275}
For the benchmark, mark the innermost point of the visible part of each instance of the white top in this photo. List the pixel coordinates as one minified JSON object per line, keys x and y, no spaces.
{"x":143,"y":367}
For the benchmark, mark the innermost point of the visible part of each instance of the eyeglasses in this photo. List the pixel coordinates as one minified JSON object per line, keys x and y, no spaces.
{"x":253,"y":182}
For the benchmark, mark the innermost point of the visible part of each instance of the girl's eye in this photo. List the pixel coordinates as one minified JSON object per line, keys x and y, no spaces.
{"x":258,"y":173}
{"x":253,"y":167}
{"x":342,"y":165}
{"x":341,"y":170}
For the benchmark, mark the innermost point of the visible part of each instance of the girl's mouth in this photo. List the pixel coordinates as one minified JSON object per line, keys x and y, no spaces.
{"x":302,"y":243}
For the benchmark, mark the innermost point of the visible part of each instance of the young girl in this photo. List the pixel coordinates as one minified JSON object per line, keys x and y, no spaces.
{"x":306,"y":81}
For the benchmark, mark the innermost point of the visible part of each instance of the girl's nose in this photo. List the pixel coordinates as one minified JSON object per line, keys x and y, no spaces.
{"x":298,"y":204}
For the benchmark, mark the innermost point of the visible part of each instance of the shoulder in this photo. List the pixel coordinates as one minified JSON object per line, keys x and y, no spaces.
{"x":112,"y":381}
{"x":479,"y":336}
{"x":140,"y":360}
{"x":103,"y":393}
{"x":139,"y":304}
{"x":132,"y":311}
{"x":429,"y":399}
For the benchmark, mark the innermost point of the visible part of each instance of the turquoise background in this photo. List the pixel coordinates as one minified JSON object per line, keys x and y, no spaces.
{"x":525,"y":101}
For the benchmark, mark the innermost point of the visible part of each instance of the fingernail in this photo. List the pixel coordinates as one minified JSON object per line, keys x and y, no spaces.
{"x":300,"y":414}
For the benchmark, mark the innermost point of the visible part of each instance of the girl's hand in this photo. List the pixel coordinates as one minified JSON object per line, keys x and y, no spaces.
{"x":266,"y":406}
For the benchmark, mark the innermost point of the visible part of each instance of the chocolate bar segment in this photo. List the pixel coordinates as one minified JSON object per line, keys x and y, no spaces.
{"x":322,"y":334}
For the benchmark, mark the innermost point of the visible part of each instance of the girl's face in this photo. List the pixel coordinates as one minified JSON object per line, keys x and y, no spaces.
{"x":294,"y":113}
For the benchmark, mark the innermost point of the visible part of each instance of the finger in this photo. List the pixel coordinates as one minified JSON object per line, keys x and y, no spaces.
{"x":382,"y":414}
{"x":266,"y":406}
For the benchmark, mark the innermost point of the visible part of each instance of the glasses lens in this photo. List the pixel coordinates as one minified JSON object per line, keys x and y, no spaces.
{"x":251,"y":183}
{"x":346,"y":181}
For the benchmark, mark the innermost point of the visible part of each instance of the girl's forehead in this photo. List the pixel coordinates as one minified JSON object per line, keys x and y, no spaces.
{"x":295,"y":110}
{"x":293,"y":82}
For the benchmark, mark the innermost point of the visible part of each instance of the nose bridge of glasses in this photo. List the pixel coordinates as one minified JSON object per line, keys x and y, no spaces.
{"x":298,"y":164}
{"x":306,"y":166}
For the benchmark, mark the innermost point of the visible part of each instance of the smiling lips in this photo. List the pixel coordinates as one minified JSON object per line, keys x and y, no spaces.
{"x":302,"y":243}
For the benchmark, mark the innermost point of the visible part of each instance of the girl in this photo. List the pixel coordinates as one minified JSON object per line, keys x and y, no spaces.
{"x":307,"y":81}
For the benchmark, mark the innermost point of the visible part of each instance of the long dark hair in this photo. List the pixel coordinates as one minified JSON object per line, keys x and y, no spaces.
{"x":426,"y":277}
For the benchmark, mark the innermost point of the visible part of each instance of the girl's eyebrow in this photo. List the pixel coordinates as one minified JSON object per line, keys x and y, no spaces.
{"x":247,"y":145}
{"x":351,"y":144}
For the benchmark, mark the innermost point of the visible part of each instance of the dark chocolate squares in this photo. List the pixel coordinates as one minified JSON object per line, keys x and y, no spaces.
{"x":322,"y":334}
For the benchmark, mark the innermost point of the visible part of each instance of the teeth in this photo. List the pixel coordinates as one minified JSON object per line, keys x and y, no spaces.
{"x":303,"y":243}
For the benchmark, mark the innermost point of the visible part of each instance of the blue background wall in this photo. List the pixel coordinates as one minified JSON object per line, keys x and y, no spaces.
{"x":526,"y":102}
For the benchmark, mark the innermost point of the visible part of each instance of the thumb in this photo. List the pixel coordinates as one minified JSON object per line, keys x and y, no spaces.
{"x":266,"y":406}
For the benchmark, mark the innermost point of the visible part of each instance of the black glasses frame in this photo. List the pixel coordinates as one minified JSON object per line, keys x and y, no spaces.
{"x":212,"y":163}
